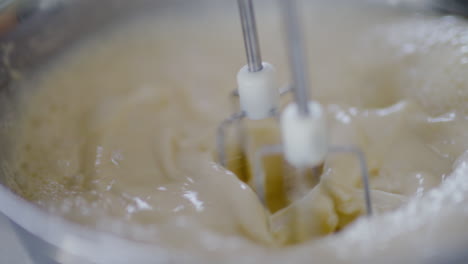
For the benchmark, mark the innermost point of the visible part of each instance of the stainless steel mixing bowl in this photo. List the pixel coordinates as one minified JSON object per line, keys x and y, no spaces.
{"x":43,"y":30}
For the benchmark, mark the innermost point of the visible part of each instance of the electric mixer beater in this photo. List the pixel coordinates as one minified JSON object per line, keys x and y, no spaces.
{"x":303,"y":125}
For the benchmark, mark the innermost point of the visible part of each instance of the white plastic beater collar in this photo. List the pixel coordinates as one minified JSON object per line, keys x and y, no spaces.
{"x":305,"y":138}
{"x":258,"y":91}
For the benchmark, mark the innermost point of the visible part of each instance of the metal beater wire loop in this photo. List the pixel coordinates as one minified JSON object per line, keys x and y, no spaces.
{"x":221,"y":136}
{"x":364,"y":171}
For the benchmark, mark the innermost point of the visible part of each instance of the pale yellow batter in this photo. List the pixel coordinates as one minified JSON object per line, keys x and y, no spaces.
{"x":122,"y":130}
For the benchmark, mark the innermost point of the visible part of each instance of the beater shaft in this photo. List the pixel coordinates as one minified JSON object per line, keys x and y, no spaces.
{"x":296,"y":52}
{"x":249,"y":29}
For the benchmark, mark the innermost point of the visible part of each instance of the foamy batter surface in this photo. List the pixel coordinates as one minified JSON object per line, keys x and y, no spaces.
{"x":123,"y":128}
